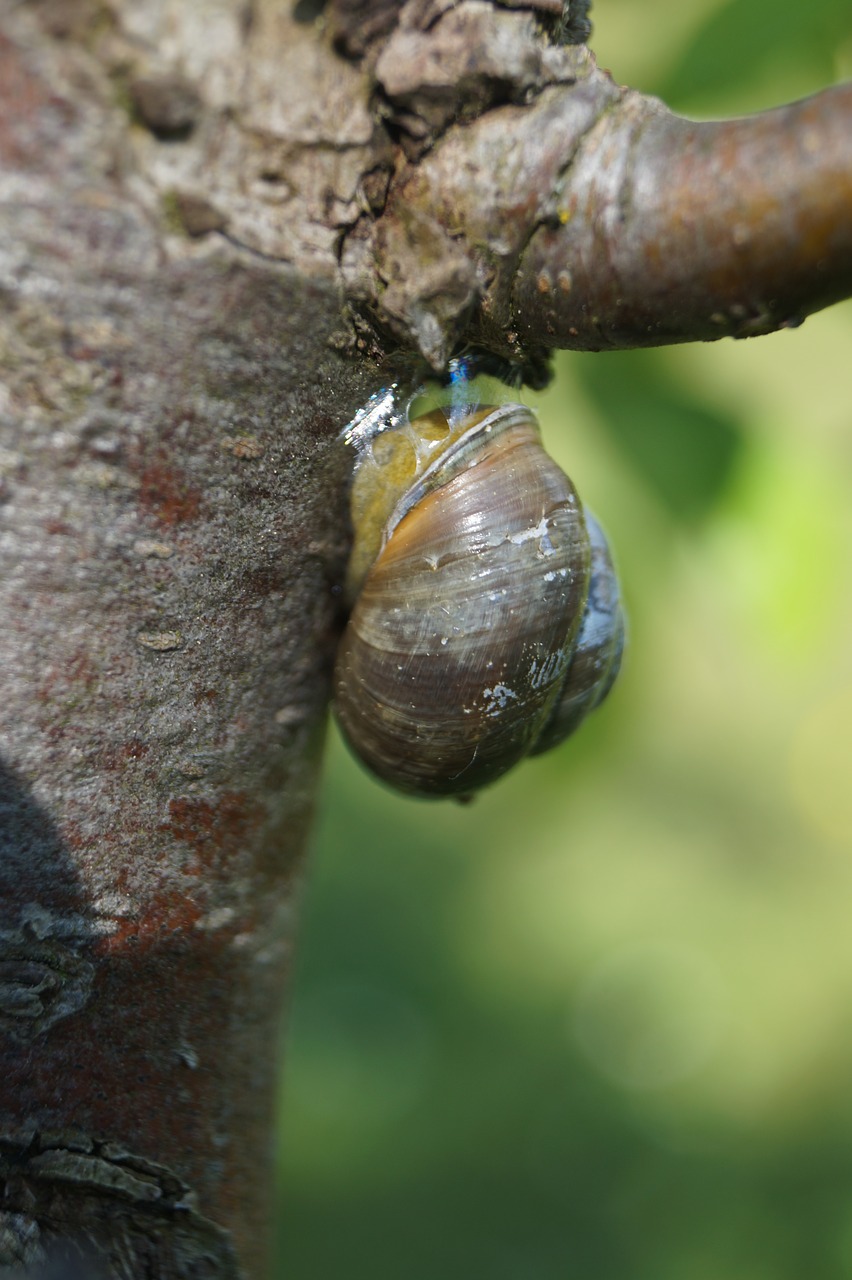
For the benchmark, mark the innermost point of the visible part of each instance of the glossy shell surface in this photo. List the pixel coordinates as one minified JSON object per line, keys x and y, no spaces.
{"x":463,"y":628}
{"x":597,"y":648}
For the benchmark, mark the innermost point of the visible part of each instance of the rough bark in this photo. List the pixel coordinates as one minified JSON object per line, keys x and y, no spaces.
{"x":206,"y":211}
{"x":172,"y":530}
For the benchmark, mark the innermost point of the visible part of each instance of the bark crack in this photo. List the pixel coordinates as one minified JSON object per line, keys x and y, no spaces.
{"x":59,"y":1193}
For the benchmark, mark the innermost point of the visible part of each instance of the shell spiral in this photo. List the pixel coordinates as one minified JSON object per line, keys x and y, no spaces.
{"x":486,"y":619}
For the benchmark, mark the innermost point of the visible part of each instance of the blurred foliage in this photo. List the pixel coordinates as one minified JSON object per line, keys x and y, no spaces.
{"x":795,"y":45}
{"x":682,"y":449}
{"x":596,"y":1025}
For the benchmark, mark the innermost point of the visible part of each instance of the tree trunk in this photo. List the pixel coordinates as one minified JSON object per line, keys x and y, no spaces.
{"x":172,"y":528}
{"x":220,"y":228}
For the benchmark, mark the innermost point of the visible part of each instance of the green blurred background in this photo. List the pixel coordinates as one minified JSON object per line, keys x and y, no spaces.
{"x":598,"y":1025}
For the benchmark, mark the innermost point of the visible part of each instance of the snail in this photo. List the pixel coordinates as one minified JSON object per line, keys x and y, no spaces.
{"x":485,"y":614}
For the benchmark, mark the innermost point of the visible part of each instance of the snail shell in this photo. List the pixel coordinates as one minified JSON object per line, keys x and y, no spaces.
{"x":597,"y":649}
{"x":486,"y":619}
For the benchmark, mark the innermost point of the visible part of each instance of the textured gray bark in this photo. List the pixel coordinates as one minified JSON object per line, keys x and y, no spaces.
{"x":171,"y":528}
{"x":212,"y":226}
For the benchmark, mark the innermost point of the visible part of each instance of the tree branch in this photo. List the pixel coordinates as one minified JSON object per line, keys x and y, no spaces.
{"x":675,"y":231}
{"x":581,"y":214}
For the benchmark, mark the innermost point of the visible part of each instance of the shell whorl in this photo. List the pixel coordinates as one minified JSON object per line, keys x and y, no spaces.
{"x":396,"y":468}
{"x":597,"y":650}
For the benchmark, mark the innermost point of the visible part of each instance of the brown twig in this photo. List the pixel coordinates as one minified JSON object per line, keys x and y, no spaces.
{"x":590,"y":216}
{"x":675,"y":231}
